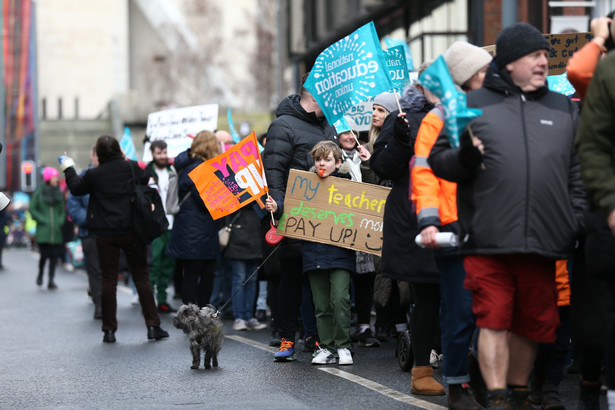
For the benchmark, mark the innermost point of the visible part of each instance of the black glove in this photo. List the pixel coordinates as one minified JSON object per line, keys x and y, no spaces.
{"x":469,"y":156}
{"x":401,"y":128}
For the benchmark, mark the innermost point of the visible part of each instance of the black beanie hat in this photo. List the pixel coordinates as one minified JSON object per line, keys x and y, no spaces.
{"x":516,"y":41}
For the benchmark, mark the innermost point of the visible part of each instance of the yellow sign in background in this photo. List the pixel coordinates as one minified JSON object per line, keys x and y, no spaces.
{"x":334,"y":211}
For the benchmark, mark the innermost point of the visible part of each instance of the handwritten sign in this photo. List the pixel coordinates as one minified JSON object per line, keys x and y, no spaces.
{"x":334,"y":211}
{"x":232,"y":179}
{"x":174,"y":126}
{"x":563,"y":46}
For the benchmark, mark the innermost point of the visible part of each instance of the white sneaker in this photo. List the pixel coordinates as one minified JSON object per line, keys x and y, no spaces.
{"x":134,"y":300}
{"x":240,"y":324}
{"x":254,"y":324}
{"x":435,"y":359}
{"x":323,"y":356}
{"x":345,"y":357}
{"x":69,"y":267}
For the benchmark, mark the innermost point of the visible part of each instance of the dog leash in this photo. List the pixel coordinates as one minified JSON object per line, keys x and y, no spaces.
{"x":247,"y":280}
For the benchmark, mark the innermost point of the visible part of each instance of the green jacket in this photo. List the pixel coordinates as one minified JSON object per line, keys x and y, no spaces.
{"x":47,"y":209}
{"x":596,"y":136}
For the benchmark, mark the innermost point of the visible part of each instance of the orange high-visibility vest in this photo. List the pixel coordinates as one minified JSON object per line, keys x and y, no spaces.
{"x":432,"y":196}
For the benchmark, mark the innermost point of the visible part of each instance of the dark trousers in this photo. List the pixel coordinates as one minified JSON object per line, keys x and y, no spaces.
{"x":198,"y":281}
{"x":136,"y":257}
{"x":424,"y":321}
{"x":52,"y":253}
{"x":364,"y":296}
{"x":92,"y":267}
{"x":551,"y":357}
{"x":289,"y":297}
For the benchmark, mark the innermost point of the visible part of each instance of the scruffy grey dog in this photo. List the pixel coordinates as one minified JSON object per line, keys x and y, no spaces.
{"x":205,"y":330}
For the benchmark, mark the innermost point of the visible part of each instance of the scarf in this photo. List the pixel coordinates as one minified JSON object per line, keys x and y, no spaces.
{"x":51,"y":195}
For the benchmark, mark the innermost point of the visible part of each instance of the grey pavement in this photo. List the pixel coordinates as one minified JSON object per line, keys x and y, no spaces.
{"x":52,"y":356}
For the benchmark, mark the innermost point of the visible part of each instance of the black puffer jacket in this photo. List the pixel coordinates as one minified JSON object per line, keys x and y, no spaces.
{"x":290,"y":138}
{"x":402,"y":259}
{"x":527,"y":196}
{"x":111,"y":188}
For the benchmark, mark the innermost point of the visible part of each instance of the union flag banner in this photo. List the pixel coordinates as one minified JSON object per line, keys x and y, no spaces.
{"x":232,"y":179}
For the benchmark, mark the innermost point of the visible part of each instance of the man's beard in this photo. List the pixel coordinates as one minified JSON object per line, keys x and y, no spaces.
{"x":161,"y":164}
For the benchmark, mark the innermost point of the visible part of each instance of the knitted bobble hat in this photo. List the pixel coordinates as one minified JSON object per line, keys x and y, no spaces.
{"x":386,"y":100}
{"x":517,"y":41}
{"x":50,"y":172}
{"x":464,"y":60}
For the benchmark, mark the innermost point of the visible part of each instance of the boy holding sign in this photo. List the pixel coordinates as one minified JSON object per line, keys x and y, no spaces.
{"x":328,"y":268}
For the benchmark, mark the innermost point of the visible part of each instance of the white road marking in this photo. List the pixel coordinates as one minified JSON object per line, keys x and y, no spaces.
{"x":378,"y":388}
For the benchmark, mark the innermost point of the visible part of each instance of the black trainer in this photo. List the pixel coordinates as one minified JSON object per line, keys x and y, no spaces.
{"x":156,"y":333}
{"x":367,"y":339}
{"x":109,"y":336}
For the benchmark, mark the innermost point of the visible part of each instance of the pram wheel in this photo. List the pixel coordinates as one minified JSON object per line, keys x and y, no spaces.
{"x":404,"y":354}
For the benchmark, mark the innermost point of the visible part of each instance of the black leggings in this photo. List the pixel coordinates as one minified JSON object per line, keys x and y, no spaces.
{"x":424,"y":321}
{"x":364,"y":295}
{"x":198,"y":282}
{"x":51,"y":252}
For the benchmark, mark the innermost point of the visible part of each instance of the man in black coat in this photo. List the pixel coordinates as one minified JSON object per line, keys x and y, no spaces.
{"x":299,"y":125}
{"x":520,"y":204}
{"x":111,"y":190}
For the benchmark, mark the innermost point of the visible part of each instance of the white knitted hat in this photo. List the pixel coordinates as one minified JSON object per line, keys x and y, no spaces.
{"x":464,"y":60}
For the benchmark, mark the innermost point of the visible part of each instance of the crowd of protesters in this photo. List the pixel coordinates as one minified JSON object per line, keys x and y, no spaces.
{"x":528,"y":193}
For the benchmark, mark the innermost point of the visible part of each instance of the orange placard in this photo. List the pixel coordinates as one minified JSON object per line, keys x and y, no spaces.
{"x":231,"y":180}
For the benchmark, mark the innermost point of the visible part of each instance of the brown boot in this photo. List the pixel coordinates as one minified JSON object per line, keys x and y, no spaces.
{"x":424,"y":383}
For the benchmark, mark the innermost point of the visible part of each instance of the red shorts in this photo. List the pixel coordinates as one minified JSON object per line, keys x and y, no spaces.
{"x":514,"y":292}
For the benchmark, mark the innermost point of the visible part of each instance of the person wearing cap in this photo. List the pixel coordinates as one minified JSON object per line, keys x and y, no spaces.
{"x":595,"y":144}
{"x":383,"y":105}
{"x":403,"y":261}
{"x":47,"y":209}
{"x":436,"y":207}
{"x":520,"y":205}
{"x":354,"y":156}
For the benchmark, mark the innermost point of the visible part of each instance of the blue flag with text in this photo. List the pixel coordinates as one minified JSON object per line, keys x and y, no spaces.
{"x":348,"y":72}
{"x":457,"y":115}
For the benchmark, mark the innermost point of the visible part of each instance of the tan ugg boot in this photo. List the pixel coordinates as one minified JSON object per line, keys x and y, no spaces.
{"x":424,"y":383}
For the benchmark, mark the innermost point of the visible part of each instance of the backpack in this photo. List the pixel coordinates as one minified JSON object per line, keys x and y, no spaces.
{"x":149,"y":220}
{"x":172,"y":202}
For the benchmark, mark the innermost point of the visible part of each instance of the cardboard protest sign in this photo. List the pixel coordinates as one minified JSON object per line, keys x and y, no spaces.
{"x":457,"y":115}
{"x":398,"y":70}
{"x":175,"y":126}
{"x":348,"y":72}
{"x":232,"y":179}
{"x":334,"y":211}
{"x":563,"y":47}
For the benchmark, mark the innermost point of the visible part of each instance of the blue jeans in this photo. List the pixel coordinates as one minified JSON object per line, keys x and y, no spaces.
{"x":222,"y":284}
{"x":457,"y":322}
{"x":243,"y":301}
{"x":307,"y":310}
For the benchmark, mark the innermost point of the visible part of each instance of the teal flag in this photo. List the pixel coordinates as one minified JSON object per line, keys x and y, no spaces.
{"x":128,"y":146}
{"x":348,"y":72}
{"x":393,"y":42}
{"x":398,"y":70}
{"x":457,"y":115}
{"x":560,"y":84}
{"x":231,"y":126}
